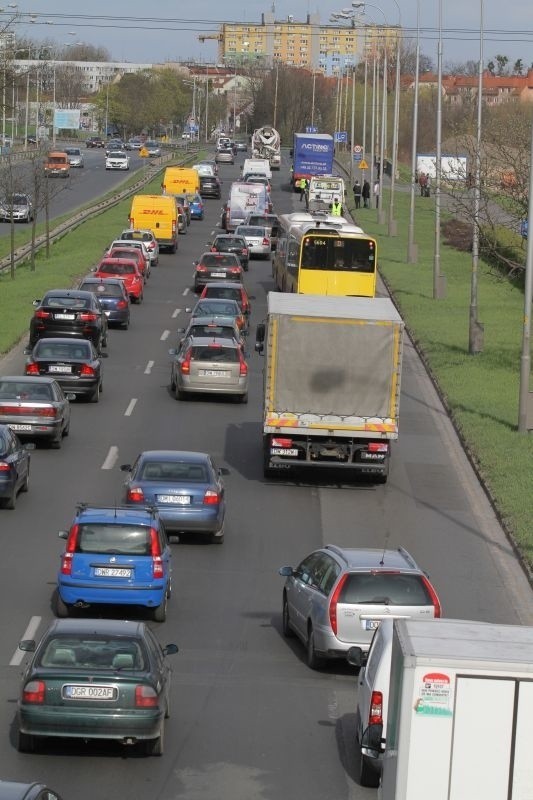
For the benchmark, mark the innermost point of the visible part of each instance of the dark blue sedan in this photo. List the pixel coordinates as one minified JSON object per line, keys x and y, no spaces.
{"x":186,"y":488}
{"x":14,"y":467}
{"x":113,"y":297}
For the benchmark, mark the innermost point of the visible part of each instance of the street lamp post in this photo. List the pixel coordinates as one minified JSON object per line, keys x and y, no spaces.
{"x":380,"y":215}
{"x":475,"y":328}
{"x":312,"y":101}
{"x":525,"y":399}
{"x":439,"y":280}
{"x":412,"y":247}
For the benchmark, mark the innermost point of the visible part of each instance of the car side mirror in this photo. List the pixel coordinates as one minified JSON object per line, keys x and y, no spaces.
{"x":224,"y":471}
{"x":70,"y":396}
{"x":27,"y":645}
{"x":36,"y":302}
{"x":63,"y":534}
{"x":103,"y":355}
{"x":260,"y":337}
{"x":170,"y":649}
{"x":27,"y":351}
{"x":125,"y":467}
{"x":173,"y":351}
{"x":188,"y":310}
{"x":286,"y":572}
{"x":29,"y":446}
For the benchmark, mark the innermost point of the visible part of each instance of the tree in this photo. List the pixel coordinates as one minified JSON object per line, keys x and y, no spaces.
{"x":518,"y":67}
{"x":502,"y":62}
{"x":491,"y":67}
{"x":83,"y":52}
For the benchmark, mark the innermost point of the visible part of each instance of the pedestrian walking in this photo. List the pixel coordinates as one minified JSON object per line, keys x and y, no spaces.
{"x":376,"y":193}
{"x":524,"y":225}
{"x":357,"y":189}
{"x":366,"y":194}
{"x":336,"y":208}
{"x":423,"y":182}
{"x":303,"y":187}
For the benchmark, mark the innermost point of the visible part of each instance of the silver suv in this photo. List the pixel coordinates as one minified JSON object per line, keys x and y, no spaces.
{"x":337,"y":597}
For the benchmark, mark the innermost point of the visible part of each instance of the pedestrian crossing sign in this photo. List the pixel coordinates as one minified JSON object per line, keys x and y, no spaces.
{"x":363,"y":164}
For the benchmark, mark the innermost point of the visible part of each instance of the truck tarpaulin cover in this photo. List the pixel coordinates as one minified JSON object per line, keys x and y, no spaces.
{"x":352,"y":353}
{"x":313,"y":155}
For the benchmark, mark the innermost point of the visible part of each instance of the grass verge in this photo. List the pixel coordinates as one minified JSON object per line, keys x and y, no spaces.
{"x":481,"y":391}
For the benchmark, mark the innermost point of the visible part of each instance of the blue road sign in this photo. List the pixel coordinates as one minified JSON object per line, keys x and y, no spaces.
{"x":340,"y":136}
{"x":311,"y":129}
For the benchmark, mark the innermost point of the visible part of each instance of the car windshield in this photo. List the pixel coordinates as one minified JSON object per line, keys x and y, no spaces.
{"x":74,"y":303}
{"x":93,"y":652}
{"x":20,"y":200}
{"x":58,"y":350}
{"x":226,"y":308}
{"x":25,"y":390}
{"x":215,"y":352}
{"x":385,"y":588}
{"x":118,"y":539}
{"x":173,"y":471}
{"x":220,"y":260}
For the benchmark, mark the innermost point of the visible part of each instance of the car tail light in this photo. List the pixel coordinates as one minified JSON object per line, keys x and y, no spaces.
{"x":243,"y":366}
{"x":70,"y":549}
{"x":213,"y":250}
{"x":201,"y":268}
{"x":88,"y":316}
{"x":434,"y":597}
{"x":333,"y":603}
{"x":155,"y":549}
{"x":235,"y":270}
{"x":34,"y":692}
{"x":42,"y":315}
{"x":240,"y":321}
{"x":4,"y":466}
{"x":48,"y":411}
{"x":135,"y":494}
{"x":122,"y":304}
{"x":145,"y":697}
{"x":244,"y":252}
{"x":32,"y":368}
{"x":375,"y":716}
{"x":378,"y":447}
{"x":266,"y":240}
{"x":87,"y":370}
{"x":185,"y":366}
{"x":277,"y":442}
{"x":211,"y":498}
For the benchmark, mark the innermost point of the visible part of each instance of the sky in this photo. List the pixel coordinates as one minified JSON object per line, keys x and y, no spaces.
{"x":130,"y":34}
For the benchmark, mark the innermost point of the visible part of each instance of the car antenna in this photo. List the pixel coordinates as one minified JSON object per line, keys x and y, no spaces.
{"x":385,"y":545}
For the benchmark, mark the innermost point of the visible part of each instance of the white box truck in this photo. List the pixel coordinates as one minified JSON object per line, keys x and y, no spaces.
{"x":331,"y":382}
{"x":460,"y":717}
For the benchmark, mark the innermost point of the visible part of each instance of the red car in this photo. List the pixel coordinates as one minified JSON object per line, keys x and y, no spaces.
{"x":130,"y":253}
{"x":127,"y":270}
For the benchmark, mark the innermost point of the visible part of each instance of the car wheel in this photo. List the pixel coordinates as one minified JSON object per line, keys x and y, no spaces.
{"x":55,"y":444}
{"x":95,"y":396}
{"x":155,"y":747}
{"x":287,"y":630}
{"x":313,"y":661}
{"x":196,"y":289}
{"x":159,"y":613}
{"x":218,"y":538}
{"x":61,"y":609}
{"x":172,"y":382}
{"x":66,"y":429}
{"x":26,"y":485}
{"x":125,"y":325}
{"x":25,"y":742}
{"x":179,"y":395}
{"x":366,"y":776}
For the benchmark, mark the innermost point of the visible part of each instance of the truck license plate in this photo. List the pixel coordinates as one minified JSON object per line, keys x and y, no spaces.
{"x":284,"y":451}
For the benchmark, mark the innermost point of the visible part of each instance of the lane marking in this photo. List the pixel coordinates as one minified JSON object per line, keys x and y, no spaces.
{"x":186,"y":291}
{"x":131,"y":405}
{"x":175,"y":313}
{"x":148,"y":368}
{"x":164,"y":335}
{"x":29,"y":633}
{"x":111,"y":458}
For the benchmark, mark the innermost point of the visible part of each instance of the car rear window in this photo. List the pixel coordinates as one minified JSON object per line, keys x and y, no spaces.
{"x":173,"y":471}
{"x":251,"y":231}
{"x":222,"y":244}
{"x":224,"y":293}
{"x":221,"y":308}
{"x":25,"y":390}
{"x":220,"y":260}
{"x":224,"y":331}
{"x":94,"y":653}
{"x":117,"y":269}
{"x":117,"y":539}
{"x":137,"y":236}
{"x":385,"y":587}
{"x":45,"y":349}
{"x":57,"y":301}
{"x":222,"y":355}
{"x":106,"y":289}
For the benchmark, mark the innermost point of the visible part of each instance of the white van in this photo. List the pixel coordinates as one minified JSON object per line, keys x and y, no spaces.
{"x":223,"y":142}
{"x":372,"y":702}
{"x":256,"y":166}
{"x":245,"y":198}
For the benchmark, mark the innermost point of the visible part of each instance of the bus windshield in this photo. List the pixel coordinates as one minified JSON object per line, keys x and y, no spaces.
{"x":338,"y":254}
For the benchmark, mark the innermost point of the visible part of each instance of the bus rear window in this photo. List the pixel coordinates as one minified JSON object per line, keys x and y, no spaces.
{"x":338,"y":254}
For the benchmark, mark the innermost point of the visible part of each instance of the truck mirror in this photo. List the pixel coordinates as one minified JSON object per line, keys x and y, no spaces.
{"x":260,"y":333}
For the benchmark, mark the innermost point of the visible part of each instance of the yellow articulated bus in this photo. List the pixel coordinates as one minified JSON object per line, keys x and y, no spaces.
{"x":325,"y":255}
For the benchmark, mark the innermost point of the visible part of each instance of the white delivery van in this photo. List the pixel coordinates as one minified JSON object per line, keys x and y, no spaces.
{"x":243,"y":199}
{"x":460,"y":718}
{"x":256,"y":166}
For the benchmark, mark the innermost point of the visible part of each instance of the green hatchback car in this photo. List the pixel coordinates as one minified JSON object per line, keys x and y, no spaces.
{"x":95,"y":679}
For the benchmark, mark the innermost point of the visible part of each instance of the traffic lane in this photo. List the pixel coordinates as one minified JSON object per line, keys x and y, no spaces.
{"x":83,"y":185}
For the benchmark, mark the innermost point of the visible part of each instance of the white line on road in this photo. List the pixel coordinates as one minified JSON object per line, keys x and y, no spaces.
{"x":148,"y":368}
{"x":131,"y":405}
{"x":175,"y":313}
{"x":111,"y":458}
{"x":186,"y":291}
{"x":165,"y":335}
{"x":29,"y":633}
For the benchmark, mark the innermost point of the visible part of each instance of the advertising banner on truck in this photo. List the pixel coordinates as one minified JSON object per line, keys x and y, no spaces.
{"x":312,"y":157}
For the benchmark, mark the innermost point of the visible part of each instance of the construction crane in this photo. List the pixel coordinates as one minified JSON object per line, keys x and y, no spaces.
{"x":218,"y":36}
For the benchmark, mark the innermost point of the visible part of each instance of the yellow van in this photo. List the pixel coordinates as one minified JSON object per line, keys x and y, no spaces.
{"x":159,"y":214}
{"x":180,"y":180}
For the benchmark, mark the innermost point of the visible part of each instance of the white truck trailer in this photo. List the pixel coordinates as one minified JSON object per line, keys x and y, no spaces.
{"x":331,"y":382}
{"x":460,"y":715}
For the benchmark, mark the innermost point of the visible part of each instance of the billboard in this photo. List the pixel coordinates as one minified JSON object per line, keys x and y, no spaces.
{"x":67,"y":119}
{"x":452,"y":168}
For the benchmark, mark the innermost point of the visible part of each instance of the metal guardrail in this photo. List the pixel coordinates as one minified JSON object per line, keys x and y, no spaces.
{"x":22,"y":253}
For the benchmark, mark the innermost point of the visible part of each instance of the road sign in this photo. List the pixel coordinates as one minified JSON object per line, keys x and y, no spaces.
{"x":363,"y":164}
{"x":143,"y":152}
{"x":340,"y":136}
{"x":311,"y":129}
{"x":357,"y":152}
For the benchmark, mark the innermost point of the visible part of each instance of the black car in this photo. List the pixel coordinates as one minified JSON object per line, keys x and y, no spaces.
{"x":69,"y":312}
{"x":214,"y":266}
{"x":210,"y":186}
{"x":14,"y":468}
{"x":228,"y":243}
{"x":94,"y":141}
{"x":113,"y":298}
{"x":74,"y":363}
